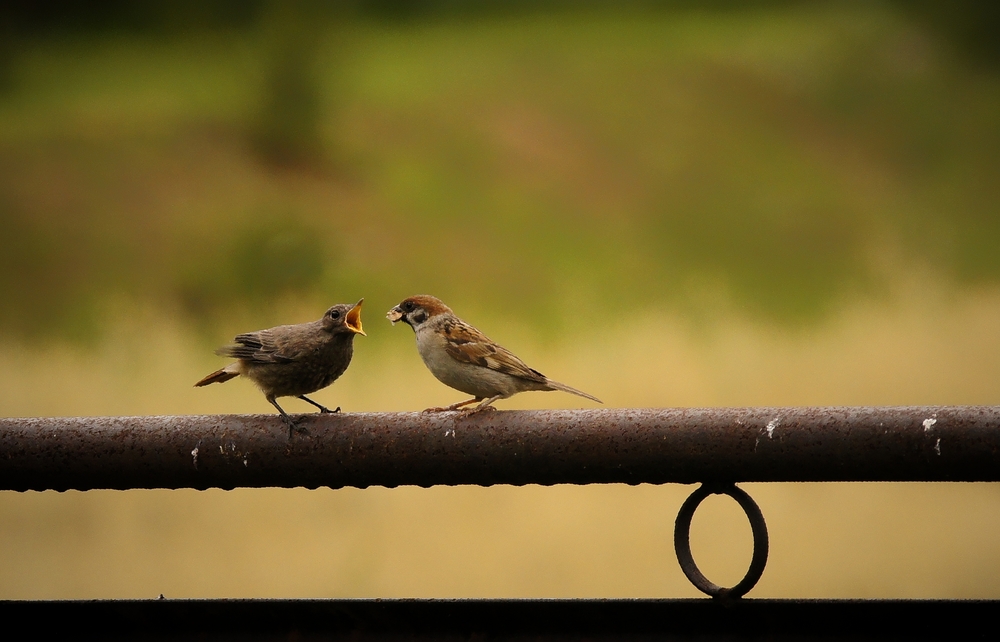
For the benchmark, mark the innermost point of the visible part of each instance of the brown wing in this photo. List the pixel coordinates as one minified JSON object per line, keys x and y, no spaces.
{"x":467,"y":344}
{"x":264,"y":346}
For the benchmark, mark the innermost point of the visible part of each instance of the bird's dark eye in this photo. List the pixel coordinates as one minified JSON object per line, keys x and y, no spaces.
{"x":335,"y":314}
{"x":408,"y":306}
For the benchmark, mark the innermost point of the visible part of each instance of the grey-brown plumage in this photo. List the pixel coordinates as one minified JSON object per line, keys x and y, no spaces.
{"x":294,"y":360}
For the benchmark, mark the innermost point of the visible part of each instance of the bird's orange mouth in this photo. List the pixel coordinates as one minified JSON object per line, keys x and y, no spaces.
{"x":353,"y":319}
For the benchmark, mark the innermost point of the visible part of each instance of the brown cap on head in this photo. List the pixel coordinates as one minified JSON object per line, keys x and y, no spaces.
{"x":431,"y":304}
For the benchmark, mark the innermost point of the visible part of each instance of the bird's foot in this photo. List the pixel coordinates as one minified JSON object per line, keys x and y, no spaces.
{"x":451,"y":408}
{"x":487,"y":404}
{"x":477,"y":409}
{"x":292,"y":426}
{"x":454,"y":406}
{"x":323,"y":410}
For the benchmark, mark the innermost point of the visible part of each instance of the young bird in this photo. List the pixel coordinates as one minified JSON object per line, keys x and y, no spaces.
{"x":293,"y":360}
{"x":464,"y":358}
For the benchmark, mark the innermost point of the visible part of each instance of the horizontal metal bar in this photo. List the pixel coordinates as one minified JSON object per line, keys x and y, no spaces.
{"x":953,"y":443}
{"x":703,"y":620}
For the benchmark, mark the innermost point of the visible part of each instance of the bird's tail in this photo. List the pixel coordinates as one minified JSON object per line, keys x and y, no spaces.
{"x":555,"y":385}
{"x":220,"y":376}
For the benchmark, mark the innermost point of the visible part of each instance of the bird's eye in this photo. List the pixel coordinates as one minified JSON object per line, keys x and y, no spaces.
{"x":335,"y":314}
{"x":408,"y":305}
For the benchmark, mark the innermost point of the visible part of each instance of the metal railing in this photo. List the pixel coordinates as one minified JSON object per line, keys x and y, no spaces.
{"x":502,"y":620}
{"x":717,"y":447}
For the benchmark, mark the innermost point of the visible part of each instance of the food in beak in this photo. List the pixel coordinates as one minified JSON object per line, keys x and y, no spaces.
{"x":394,"y":315}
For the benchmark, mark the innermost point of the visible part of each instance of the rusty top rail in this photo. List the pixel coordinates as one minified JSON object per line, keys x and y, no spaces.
{"x":949,"y":443}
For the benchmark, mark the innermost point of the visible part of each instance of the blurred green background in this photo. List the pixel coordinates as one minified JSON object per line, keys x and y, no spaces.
{"x":663,"y":204}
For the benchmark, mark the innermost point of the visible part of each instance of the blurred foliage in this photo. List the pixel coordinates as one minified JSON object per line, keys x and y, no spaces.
{"x":775,"y":158}
{"x":972,"y":26}
{"x":273,"y":258}
{"x":288,"y":125}
{"x":61,"y":16}
{"x":288,"y":128}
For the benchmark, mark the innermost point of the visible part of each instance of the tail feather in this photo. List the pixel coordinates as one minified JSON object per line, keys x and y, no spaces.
{"x":555,"y":385}
{"x":219,"y":376}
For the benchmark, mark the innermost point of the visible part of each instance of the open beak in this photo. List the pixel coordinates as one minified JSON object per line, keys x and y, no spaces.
{"x":353,"y":319}
{"x":394,"y":315}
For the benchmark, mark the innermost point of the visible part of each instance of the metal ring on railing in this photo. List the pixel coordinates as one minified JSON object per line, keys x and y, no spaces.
{"x":682,"y":541}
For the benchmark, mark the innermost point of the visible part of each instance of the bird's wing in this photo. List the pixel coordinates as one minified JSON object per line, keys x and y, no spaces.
{"x":264,"y":346}
{"x":467,"y":344}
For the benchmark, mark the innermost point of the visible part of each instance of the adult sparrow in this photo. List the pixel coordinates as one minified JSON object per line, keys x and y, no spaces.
{"x":464,"y":358}
{"x":294,"y":360}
